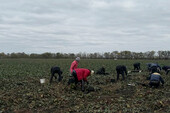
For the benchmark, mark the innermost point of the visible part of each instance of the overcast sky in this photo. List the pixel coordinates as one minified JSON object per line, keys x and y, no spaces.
{"x":72,"y":26}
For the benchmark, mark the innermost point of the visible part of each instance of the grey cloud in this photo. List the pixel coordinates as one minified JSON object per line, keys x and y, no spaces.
{"x":86,"y":25}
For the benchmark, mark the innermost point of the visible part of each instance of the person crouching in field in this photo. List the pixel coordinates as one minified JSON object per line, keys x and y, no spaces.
{"x":136,"y":66}
{"x":56,"y":70}
{"x":101,"y":71}
{"x":166,"y":69}
{"x":155,"y":79}
{"x":121,"y":69}
{"x":153,"y":66}
{"x":80,"y":75}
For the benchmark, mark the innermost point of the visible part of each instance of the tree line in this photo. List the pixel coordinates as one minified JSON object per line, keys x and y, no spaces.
{"x":96,"y":55}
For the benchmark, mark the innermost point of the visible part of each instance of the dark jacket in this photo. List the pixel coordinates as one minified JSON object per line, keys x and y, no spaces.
{"x":56,"y":69}
{"x":154,"y":67}
{"x":165,"y":68}
{"x":101,"y":71}
{"x":136,"y":64}
{"x":156,"y":77}
{"x":121,"y":69}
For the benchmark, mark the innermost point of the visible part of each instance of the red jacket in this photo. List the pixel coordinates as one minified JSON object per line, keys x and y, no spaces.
{"x":74,"y":65}
{"x":82,"y":73}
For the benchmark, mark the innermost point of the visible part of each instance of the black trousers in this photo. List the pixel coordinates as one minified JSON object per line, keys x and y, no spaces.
{"x":74,"y":74}
{"x":154,"y":83}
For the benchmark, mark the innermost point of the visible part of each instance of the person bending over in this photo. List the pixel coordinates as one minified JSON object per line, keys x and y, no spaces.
{"x":80,"y":75}
{"x":121,"y":69}
{"x":56,"y":70}
{"x":136,"y":66}
{"x":155,"y":79}
{"x":166,"y":69}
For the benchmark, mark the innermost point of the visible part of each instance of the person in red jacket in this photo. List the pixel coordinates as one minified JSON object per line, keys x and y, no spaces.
{"x":80,"y":75}
{"x":74,"y":64}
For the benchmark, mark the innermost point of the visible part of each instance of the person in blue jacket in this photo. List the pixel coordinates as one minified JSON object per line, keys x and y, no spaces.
{"x":155,"y":79}
{"x":153,"y":66}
